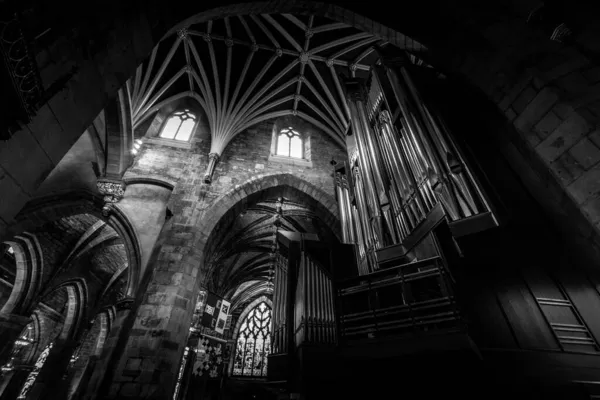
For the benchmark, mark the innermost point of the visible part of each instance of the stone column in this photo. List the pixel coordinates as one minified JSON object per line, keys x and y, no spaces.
{"x":106,"y":360}
{"x":13,"y":381}
{"x":149,"y":360}
{"x":49,"y":379}
{"x":11,"y":325}
{"x":144,"y":204}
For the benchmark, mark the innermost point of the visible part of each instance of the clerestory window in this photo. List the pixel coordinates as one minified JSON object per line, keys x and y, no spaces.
{"x":179,"y":126}
{"x":290,"y":144}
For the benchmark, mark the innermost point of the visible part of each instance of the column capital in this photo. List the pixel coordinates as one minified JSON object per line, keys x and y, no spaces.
{"x":112,"y":191}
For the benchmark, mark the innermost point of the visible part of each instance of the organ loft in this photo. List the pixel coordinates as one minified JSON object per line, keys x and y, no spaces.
{"x":223,"y":200}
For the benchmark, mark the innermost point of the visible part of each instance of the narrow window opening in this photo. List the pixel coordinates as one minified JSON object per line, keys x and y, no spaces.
{"x":290,"y":144}
{"x":179,"y":126}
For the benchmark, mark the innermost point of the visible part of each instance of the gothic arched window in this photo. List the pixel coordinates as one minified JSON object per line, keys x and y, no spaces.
{"x":179,"y":126}
{"x":253,"y":343}
{"x":34,"y":373}
{"x":290,"y":143}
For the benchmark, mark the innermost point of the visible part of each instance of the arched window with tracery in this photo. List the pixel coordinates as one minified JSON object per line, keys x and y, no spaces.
{"x":34,"y":373}
{"x":290,"y":143}
{"x":179,"y":126}
{"x":253,"y":343}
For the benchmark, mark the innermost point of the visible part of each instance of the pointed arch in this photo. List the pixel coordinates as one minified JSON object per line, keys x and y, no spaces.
{"x":29,"y":272}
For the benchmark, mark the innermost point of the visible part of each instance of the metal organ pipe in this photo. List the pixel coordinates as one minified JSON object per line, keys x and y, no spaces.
{"x":348,"y":206}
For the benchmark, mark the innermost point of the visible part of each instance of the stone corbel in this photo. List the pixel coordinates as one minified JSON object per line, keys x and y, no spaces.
{"x":213,"y":159}
{"x":112,"y":191}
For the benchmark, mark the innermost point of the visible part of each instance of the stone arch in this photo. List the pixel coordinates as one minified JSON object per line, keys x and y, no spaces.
{"x":77,"y":301}
{"x":233,"y":202}
{"x":52,"y":208}
{"x":30,"y":266}
{"x":105,"y":324}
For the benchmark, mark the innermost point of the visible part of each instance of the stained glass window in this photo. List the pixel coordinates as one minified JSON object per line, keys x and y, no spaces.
{"x":34,"y":373}
{"x":253,"y":343}
{"x":290,"y":143}
{"x":179,"y":126}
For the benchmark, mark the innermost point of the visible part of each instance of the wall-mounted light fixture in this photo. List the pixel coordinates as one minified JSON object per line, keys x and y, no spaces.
{"x":136,"y":146}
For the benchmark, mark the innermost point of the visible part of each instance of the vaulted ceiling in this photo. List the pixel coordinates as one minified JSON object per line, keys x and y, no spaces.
{"x":246,"y":69}
{"x":243,"y":260}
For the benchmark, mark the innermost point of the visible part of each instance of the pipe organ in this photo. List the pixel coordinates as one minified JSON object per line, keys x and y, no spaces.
{"x":304,"y":301}
{"x":403,"y":162}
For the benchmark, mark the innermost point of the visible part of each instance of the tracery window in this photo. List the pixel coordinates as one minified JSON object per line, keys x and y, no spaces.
{"x":290,"y":143}
{"x":179,"y":126}
{"x":34,"y":373}
{"x":253,"y":343}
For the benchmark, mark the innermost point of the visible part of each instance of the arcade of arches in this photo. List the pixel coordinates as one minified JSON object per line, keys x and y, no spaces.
{"x":296,"y":199}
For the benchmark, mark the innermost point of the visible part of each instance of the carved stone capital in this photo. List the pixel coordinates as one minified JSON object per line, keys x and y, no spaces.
{"x":112,"y":191}
{"x":182,"y":33}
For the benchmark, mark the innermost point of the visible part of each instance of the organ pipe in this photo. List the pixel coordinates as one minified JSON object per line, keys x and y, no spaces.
{"x":403,"y":162}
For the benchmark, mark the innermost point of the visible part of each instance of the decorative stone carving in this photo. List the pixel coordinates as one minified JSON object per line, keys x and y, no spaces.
{"x":207,"y":38}
{"x":229,"y":42}
{"x":112,"y":191}
{"x":182,"y":33}
{"x":329,"y":62}
{"x":304,"y":57}
{"x":213,"y":159}
{"x":254,"y":47}
{"x":279,"y":52}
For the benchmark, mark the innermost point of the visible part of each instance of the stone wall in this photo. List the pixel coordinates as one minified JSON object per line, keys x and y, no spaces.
{"x":246,"y":157}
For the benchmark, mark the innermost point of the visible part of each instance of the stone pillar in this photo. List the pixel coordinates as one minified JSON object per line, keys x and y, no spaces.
{"x":12,"y":382}
{"x":49,"y":379}
{"x":144,"y":204}
{"x":149,"y":362}
{"x":106,"y":360}
{"x":11,"y":326}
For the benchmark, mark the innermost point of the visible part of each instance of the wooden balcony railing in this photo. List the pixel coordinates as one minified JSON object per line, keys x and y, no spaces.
{"x":409,"y":299}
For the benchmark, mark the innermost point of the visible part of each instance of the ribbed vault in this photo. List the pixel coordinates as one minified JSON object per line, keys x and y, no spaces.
{"x":246,"y":69}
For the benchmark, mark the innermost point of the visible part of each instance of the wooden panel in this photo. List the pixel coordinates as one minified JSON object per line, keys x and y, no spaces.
{"x":524,"y":315}
{"x":491,"y":323}
{"x":584,"y":297}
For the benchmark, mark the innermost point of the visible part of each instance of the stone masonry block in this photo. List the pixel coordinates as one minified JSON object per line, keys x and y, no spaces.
{"x":591,"y":208}
{"x":586,"y":153}
{"x":567,"y":134}
{"x":566,"y":168}
{"x":536,"y":109}
{"x":547,"y":125}
{"x":524,"y":99}
{"x":586,"y":186}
